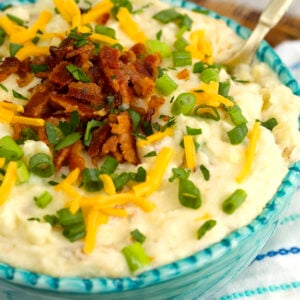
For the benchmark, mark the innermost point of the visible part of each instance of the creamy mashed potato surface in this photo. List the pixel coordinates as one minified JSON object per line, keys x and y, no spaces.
{"x":170,"y":228}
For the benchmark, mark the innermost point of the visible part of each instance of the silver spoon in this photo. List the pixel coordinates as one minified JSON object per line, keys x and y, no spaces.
{"x":270,"y":16}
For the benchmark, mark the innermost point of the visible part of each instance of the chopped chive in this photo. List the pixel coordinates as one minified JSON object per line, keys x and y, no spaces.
{"x":138,"y":236}
{"x":205,"y":172}
{"x":151,"y":154}
{"x":18,"y":95}
{"x":9,"y":149}
{"x":179,"y":173}
{"x":77,"y":73}
{"x":14,"y":48}
{"x":183,"y":104}
{"x":16,"y":20}
{"x":43,"y":200}
{"x":41,"y":165}
{"x":109,"y":165}
{"x":140,"y":176}
{"x":68,"y":141}
{"x":105,"y":30}
{"x":193,"y":131}
{"x":209,"y":74}
{"x":188,"y":193}
{"x":91,"y":181}
{"x":165,"y":85}
{"x":234,"y":201}
{"x":208,"y":225}
{"x":270,"y":124}
{"x":237,"y":134}
{"x":181,"y":58}
{"x":135,"y":256}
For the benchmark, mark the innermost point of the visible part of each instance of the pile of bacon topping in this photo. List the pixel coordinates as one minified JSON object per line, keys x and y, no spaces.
{"x":116,"y":81}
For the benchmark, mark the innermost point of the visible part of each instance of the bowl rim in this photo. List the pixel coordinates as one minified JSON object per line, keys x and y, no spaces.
{"x":192,"y":263}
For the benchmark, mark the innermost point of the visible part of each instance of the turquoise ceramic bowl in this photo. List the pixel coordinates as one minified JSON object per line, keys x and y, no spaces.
{"x":196,"y":277}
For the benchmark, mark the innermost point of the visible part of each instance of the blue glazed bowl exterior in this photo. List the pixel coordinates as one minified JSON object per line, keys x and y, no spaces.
{"x":198,"y":276}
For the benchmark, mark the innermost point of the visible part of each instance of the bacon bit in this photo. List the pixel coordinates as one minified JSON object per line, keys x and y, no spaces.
{"x":155,"y":103}
{"x":60,"y":75}
{"x":76,"y":159}
{"x":61,"y":157}
{"x":9,"y":66}
{"x":88,"y":92}
{"x":184,"y":74}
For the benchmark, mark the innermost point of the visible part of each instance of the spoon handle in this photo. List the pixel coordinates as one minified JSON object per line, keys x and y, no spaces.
{"x":274,"y":11}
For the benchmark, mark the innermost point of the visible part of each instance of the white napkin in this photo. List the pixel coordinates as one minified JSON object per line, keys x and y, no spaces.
{"x":275,"y":272}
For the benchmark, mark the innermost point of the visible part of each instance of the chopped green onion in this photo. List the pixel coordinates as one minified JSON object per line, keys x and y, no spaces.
{"x":165,"y":85}
{"x":88,"y":131}
{"x":205,"y":172}
{"x":22,"y":173}
{"x":51,"y":219}
{"x":138,"y":236}
{"x":209,"y":74}
{"x":199,"y":67}
{"x":185,"y":22}
{"x":29,"y":134}
{"x":3,"y":87}
{"x":2,"y":36}
{"x":41,"y":165}
{"x":74,"y":232}
{"x":109,"y":165}
{"x":156,"y":46}
{"x":237,"y":134}
{"x":71,"y":126}
{"x":224,"y":88}
{"x":183,"y":104}
{"x":135,"y":118}
{"x":135,"y":256}
{"x":208,"y":225}
{"x":167,"y":15}
{"x":9,"y":149}
{"x":159,"y":34}
{"x":66,"y":218}
{"x":121,"y":180}
{"x":14,"y":48}
{"x":234,"y":201}
{"x":180,"y":44}
{"x":270,"y":124}
{"x":16,"y":20}
{"x":189,"y":195}
{"x":108,"y":31}
{"x":38,"y":68}
{"x":68,"y":141}
{"x":151,"y":154}
{"x":43,"y":200}
{"x":54,"y":134}
{"x":181,"y":58}
{"x":91,"y":181}
{"x":207,"y":112}
{"x":140,"y":176}
{"x":179,"y":173}
{"x":193,"y":131}
{"x":236,"y":116}
{"x":18,"y":95}
{"x":77,"y":73}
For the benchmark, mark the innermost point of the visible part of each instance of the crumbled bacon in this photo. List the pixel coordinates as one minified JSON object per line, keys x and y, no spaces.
{"x":116,"y":80}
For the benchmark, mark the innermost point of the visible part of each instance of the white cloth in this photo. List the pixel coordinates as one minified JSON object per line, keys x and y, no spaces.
{"x":275,"y":272}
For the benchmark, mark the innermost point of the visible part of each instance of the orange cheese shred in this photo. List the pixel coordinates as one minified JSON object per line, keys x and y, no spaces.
{"x":190,"y":152}
{"x":8,"y":182}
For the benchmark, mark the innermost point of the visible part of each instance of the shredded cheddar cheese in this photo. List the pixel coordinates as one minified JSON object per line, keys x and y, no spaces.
{"x":2,"y":162}
{"x":97,"y":11}
{"x":9,"y":26}
{"x":28,"y":121}
{"x":250,"y":152}
{"x":200,"y":47}
{"x":12,"y":106}
{"x":108,"y":183}
{"x":155,"y":137}
{"x":9,"y":181}
{"x":23,"y":36}
{"x":103,"y":38}
{"x":69,"y":10}
{"x":31,"y":49}
{"x":190,"y":152}
{"x":129,"y":26}
{"x":91,"y":231}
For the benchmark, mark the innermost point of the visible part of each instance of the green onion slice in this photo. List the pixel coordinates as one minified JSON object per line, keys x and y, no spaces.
{"x":193,"y":131}
{"x":88,"y":131}
{"x":41,"y":165}
{"x":91,"y":181}
{"x":236,"y":116}
{"x":207,"y":112}
{"x":22,"y":173}
{"x":43,"y":200}
{"x":68,"y":141}
{"x":156,"y":46}
{"x":77,"y":73}
{"x":165,"y":85}
{"x":135,"y":256}
{"x":209,"y":74}
{"x":270,"y":124}
{"x":205,"y":172}
{"x":237,"y":134}
{"x":105,"y":30}
{"x":183,"y":104}
{"x":9,"y":149}
{"x":138,"y":236}
{"x":208,"y":225}
{"x":181,"y":58}
{"x":189,"y":195}
{"x":109,"y":165}
{"x":234,"y":201}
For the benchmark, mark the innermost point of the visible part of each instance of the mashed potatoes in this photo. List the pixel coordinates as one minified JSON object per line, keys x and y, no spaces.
{"x":213,"y":164}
